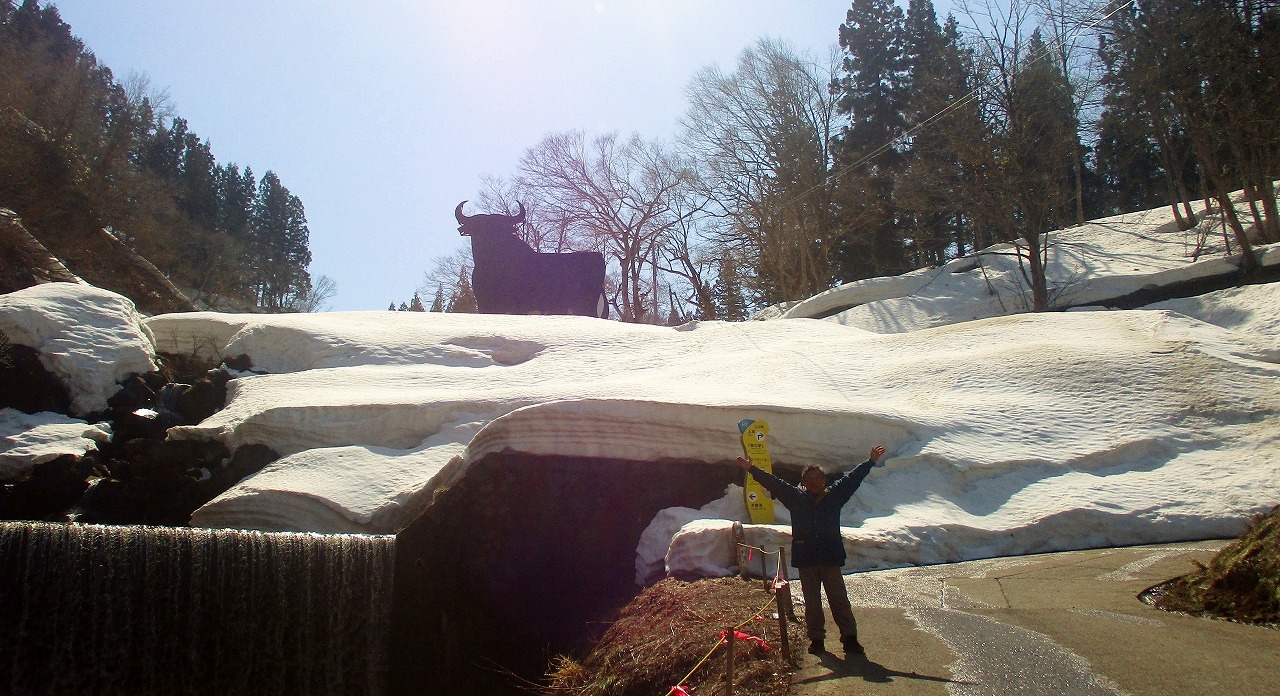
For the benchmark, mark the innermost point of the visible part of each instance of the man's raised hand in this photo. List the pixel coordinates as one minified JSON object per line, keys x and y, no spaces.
{"x":876,"y":453}
{"x":744,"y":464}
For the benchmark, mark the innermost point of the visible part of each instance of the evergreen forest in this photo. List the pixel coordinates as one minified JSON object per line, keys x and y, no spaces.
{"x":74,"y":134}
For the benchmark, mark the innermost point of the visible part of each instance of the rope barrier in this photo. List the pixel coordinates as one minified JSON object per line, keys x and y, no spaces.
{"x":724,"y":638}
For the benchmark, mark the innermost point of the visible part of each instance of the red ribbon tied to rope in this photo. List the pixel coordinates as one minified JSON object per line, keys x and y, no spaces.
{"x":678,"y":691}
{"x":739,"y":635}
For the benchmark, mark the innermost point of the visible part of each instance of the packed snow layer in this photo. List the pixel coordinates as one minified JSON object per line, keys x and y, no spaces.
{"x":1251,"y":309}
{"x":87,"y":337}
{"x":1089,"y":263}
{"x":1007,"y":435}
{"x":1055,"y":431}
{"x":30,"y":439}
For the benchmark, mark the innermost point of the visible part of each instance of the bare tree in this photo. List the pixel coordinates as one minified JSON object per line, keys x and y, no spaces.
{"x":1027,"y":105}
{"x":616,"y":193}
{"x":317,"y":297}
{"x":543,"y":233}
{"x":763,"y":136}
{"x":447,"y":279}
{"x":685,"y":253}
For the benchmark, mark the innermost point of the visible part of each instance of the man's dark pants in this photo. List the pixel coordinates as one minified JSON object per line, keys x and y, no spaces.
{"x":813,"y":579}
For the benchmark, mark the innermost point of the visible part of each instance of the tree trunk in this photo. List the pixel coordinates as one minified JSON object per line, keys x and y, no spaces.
{"x":1248,"y":259}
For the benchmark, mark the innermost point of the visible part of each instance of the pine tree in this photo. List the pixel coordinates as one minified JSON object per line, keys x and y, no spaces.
{"x":872,"y":88}
{"x":279,"y":245}
{"x":437,"y":305}
{"x":937,"y":179}
{"x":236,"y":193}
{"x":728,"y":291}
{"x":1038,"y":149}
{"x":464,"y":300}
{"x":415,"y":305}
{"x":872,"y":93}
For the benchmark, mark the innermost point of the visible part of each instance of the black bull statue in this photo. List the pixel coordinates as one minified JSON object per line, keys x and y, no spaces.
{"x":511,"y":278}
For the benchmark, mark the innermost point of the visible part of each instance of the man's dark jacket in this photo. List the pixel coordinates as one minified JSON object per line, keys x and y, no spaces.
{"x":815,"y":520}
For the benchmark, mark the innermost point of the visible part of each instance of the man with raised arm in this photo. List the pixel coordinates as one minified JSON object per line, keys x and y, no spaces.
{"x":816,"y":547}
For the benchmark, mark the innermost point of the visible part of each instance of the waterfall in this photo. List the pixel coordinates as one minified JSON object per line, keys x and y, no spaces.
{"x":157,"y":610}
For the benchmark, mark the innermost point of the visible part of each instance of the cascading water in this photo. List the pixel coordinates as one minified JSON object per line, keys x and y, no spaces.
{"x":141,"y":610}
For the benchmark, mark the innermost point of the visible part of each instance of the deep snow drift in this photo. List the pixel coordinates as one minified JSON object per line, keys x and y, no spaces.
{"x":1006,"y":434}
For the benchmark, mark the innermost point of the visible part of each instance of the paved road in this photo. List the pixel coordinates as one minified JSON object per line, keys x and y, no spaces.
{"x":1062,"y":623}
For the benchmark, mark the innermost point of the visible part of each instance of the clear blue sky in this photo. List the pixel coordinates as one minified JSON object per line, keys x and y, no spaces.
{"x":382,"y":116}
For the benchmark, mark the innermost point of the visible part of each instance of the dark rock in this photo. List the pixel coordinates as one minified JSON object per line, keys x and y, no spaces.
{"x":167,"y":397}
{"x":155,"y":381}
{"x":109,"y":501}
{"x":211,"y":482}
{"x":240,"y":363}
{"x":48,"y":492}
{"x":205,"y":398}
{"x":26,"y":385}
{"x":169,"y":458}
{"x":143,"y":423}
{"x":154,"y":482}
{"x":248,"y":460}
{"x":134,"y":393}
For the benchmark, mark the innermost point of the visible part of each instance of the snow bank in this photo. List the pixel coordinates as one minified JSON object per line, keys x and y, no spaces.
{"x":1253,"y":309}
{"x":89,"y":338}
{"x":27,"y":440}
{"x":1094,"y":262}
{"x":1006,"y":435}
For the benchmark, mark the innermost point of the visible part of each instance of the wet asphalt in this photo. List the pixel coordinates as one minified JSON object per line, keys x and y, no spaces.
{"x":1061,"y":623}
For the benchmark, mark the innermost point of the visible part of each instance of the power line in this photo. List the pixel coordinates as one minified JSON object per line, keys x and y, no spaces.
{"x":973,"y":94}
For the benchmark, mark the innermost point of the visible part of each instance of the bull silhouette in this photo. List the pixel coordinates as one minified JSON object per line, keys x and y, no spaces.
{"x":511,"y":278}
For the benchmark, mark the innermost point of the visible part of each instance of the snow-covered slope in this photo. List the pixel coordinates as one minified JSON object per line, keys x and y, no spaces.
{"x":30,"y":439}
{"x":1006,"y":435}
{"x":1090,"y":263}
{"x":88,"y":337}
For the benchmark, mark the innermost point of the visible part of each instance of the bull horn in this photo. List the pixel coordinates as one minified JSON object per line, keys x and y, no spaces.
{"x":457,"y":212}
{"x":519,"y":218}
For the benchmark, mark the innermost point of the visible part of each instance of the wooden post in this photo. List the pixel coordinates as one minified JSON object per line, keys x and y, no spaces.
{"x":728,"y":662}
{"x":784,"y":601}
{"x":764,"y":571}
{"x":784,"y":612}
{"x":739,"y":537}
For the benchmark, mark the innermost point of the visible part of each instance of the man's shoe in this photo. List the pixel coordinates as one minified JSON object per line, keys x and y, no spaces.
{"x":817,"y":648}
{"x":853,"y":647}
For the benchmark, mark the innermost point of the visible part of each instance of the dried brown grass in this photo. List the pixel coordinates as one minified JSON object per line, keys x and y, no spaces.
{"x":663,"y":634}
{"x":1241,"y":583}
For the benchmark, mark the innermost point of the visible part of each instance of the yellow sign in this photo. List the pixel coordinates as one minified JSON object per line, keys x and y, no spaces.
{"x":759,"y":504}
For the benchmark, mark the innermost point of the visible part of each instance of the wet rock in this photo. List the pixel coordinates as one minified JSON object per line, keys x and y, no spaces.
{"x":239,"y":363}
{"x":139,"y":476}
{"x":155,"y":381}
{"x":134,"y":393}
{"x":210,"y":482}
{"x":248,"y":460}
{"x":52,"y":488}
{"x":142,"y":423}
{"x":26,"y":385}
{"x":206,"y":397}
{"x":153,"y":482}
